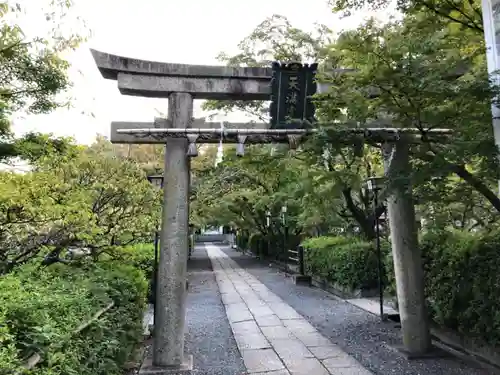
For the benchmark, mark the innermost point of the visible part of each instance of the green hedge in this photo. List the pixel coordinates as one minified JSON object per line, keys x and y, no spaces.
{"x":267,"y":246}
{"x":462,"y":283}
{"x":140,"y":256}
{"x":461,"y":275}
{"x":345,"y":261}
{"x":41,"y":307}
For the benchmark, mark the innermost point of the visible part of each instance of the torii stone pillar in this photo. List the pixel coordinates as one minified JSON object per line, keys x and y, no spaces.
{"x":406,"y":253}
{"x":172,"y":265}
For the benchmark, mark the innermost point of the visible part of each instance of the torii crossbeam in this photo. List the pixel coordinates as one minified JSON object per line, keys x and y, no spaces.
{"x":181,"y":84}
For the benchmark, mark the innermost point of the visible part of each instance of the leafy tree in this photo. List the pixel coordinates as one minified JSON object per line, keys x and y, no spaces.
{"x":466,"y":13}
{"x":151,"y":157}
{"x":34,"y":146}
{"x":426,"y":74}
{"x":276,"y":39}
{"x":32,"y":71}
{"x":421,"y":82}
{"x":89,"y":200}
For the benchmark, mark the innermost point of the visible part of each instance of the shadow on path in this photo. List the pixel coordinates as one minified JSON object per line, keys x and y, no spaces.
{"x":356,"y":331}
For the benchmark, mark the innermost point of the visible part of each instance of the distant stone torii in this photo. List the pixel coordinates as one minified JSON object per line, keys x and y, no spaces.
{"x":181,"y":84}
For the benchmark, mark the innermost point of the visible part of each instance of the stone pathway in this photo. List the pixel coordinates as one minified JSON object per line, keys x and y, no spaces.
{"x":374,"y":344}
{"x":272,"y":337}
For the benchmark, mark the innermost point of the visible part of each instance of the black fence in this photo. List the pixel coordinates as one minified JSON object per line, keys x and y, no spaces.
{"x":203,"y":238}
{"x":295,"y":261}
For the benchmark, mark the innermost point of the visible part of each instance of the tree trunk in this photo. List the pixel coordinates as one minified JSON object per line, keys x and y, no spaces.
{"x":477,"y":184}
{"x":365,"y":223}
{"x":468,"y":177}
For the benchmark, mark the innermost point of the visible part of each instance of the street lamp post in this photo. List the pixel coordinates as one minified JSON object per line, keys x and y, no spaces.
{"x":268,"y":226}
{"x":491,"y":25}
{"x":373,"y":184}
{"x":191,"y":240}
{"x":157,"y":182}
{"x":285,"y":229}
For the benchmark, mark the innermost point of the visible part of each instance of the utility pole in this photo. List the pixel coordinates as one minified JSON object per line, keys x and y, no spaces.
{"x":491,"y":25}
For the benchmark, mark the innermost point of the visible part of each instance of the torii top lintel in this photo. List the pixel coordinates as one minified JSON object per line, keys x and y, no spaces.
{"x":158,"y":79}
{"x":111,"y":65}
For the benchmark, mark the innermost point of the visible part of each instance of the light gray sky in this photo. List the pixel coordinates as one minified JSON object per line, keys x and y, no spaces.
{"x":187,"y":31}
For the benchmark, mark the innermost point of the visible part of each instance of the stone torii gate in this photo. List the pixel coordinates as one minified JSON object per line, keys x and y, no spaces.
{"x":180,"y":132}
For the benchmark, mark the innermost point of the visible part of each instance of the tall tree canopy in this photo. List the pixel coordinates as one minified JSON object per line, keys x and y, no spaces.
{"x":426,"y":70}
{"x":32,"y":71}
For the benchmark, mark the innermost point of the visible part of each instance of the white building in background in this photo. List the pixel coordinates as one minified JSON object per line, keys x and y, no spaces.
{"x":220,"y":149}
{"x":16,"y":165}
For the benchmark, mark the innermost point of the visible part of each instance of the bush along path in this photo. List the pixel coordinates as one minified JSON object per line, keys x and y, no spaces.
{"x":357,"y":332}
{"x":461,"y":286}
{"x":70,"y":320}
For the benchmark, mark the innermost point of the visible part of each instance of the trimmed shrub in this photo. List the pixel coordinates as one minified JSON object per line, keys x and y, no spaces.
{"x":270,"y":245}
{"x":40,"y":308}
{"x":140,"y":256}
{"x":345,"y":261}
{"x":462,"y":284}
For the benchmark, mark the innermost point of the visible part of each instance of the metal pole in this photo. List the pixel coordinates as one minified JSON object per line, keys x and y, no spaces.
{"x":268,"y":241}
{"x":155,"y":273}
{"x":492,"y":59}
{"x":285,"y":238}
{"x":301,"y":261}
{"x":190,"y":244}
{"x":379,"y":256}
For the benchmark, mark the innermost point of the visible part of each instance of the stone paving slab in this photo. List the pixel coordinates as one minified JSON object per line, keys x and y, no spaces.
{"x":251,"y":341}
{"x":238,"y":312}
{"x":333,"y":364}
{"x":228,"y":299}
{"x":260,"y":311}
{"x":300,"y":366}
{"x":312,"y":339}
{"x":290,"y":349}
{"x":299,"y":326}
{"x":262,"y":360}
{"x":247,"y":327}
{"x":326,"y":352}
{"x":277,"y":332}
{"x":273,"y":338}
{"x":268,"y":321}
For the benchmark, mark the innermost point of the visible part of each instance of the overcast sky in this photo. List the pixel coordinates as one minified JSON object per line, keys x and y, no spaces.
{"x":187,"y":31}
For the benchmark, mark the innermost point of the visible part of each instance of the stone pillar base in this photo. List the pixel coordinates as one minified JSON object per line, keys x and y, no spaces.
{"x":433,"y":352}
{"x":302,"y":280}
{"x":185,"y":368}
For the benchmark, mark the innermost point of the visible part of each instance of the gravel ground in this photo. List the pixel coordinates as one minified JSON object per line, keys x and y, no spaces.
{"x":356,"y":331}
{"x":209,"y":338}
